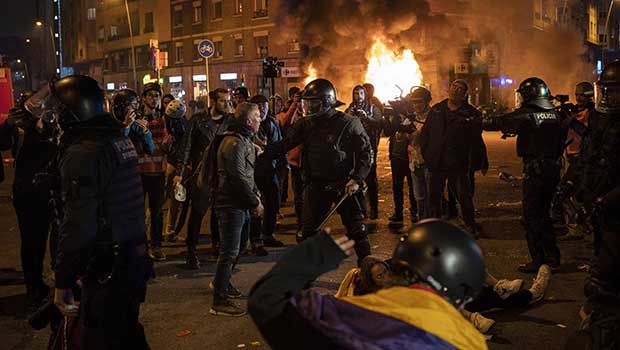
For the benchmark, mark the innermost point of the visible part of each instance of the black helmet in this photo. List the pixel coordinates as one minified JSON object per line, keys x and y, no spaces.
{"x":534,"y":91}
{"x":70,"y":101}
{"x":121,"y":100}
{"x":321,"y":97}
{"x":443,"y":256}
{"x":150,"y":87}
{"x":607,"y":89}
{"x":420,"y":92}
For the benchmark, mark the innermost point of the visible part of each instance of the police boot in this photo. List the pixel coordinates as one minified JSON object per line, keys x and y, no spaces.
{"x":362,"y":250}
{"x":191,"y":261}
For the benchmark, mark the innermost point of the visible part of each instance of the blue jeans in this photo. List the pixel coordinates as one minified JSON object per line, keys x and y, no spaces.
{"x":234,"y":233}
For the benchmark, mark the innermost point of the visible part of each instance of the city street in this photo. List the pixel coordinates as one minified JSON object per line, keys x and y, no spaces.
{"x":176,"y":312}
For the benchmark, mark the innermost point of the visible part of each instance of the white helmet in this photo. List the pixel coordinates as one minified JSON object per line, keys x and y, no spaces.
{"x":175,"y":109}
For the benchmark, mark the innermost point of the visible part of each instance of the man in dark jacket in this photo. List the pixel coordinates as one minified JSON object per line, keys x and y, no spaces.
{"x":451,"y":134}
{"x":33,"y":147}
{"x":235,"y":197}
{"x":419,"y":311}
{"x":265,"y":175}
{"x":372,"y":120}
{"x":202,"y":129}
{"x":399,"y":129}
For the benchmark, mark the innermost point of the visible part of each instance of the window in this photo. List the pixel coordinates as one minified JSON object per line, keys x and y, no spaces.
{"x":197,"y":12}
{"x":123,"y":59}
{"x":195,"y":54}
{"x":261,"y":8}
{"x":217,"y":9}
{"x":238,"y":45}
{"x":148,"y":22}
{"x":293,"y":46}
{"x":238,"y":7}
{"x":218,"y":48}
{"x":101,"y":35}
{"x":179,"y":52}
{"x":113,"y":32}
{"x":91,"y":14}
{"x":135,"y":23}
{"x":262,"y":48}
{"x":177,"y":17}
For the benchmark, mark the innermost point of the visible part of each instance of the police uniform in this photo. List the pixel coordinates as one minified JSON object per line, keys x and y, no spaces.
{"x":103,"y":235}
{"x":540,"y":141}
{"x":335,"y":150}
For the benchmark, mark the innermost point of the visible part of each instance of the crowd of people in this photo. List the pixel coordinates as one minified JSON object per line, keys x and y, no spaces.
{"x":234,"y":159}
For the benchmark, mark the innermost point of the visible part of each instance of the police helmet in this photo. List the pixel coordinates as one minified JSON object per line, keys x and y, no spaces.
{"x":607,"y":89}
{"x":443,"y":256}
{"x":420,"y":92}
{"x":175,"y":109}
{"x":534,"y":92}
{"x":318,"y":97}
{"x":69,"y":101}
{"x":121,"y":100}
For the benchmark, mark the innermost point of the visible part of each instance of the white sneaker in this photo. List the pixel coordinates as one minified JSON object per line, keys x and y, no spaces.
{"x":505,"y":288}
{"x":481,"y":323}
{"x":540,"y":283}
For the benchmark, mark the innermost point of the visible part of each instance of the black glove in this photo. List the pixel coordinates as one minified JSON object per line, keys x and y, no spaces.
{"x":20,"y":117}
{"x":562,"y":193}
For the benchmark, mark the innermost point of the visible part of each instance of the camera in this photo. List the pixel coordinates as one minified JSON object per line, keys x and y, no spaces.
{"x":272,"y":67}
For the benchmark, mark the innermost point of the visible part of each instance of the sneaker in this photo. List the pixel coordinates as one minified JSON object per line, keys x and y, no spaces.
{"x":530,"y":267}
{"x":172,"y":237}
{"x":233,"y":293}
{"x":481,"y":323}
{"x":227,"y":308}
{"x":260,"y":251}
{"x":505,"y":288}
{"x":156,"y":254}
{"x":272,"y":242}
{"x":540,"y":283}
{"x":396,"y":218}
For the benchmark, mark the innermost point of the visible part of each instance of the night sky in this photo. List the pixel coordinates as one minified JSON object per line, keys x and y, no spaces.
{"x":17,"y":17}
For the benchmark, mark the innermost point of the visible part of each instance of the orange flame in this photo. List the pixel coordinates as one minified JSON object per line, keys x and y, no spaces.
{"x":391,"y":73}
{"x":311,"y":74}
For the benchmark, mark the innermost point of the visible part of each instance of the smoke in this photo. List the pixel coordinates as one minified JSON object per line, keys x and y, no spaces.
{"x":336,"y":37}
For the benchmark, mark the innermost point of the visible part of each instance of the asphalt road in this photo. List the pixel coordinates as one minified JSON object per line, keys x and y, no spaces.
{"x":176,"y":316}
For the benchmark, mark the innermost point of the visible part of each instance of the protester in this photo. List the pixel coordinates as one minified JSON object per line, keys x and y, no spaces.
{"x":420,"y":99}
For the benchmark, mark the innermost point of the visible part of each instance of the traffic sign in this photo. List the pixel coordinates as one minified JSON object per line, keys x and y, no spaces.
{"x":206,"y":48}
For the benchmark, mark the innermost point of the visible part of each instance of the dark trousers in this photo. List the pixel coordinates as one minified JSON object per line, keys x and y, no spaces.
{"x":235,"y":229}
{"x":459,"y":184}
{"x":154,"y":187}
{"x":539,"y":185}
{"x":450,"y":206}
{"x":109,"y":318}
{"x":400,"y":172}
{"x":488,"y":299}
{"x":373,"y":187}
{"x":317,"y":203}
{"x":283,"y":184}
{"x":194,"y":225}
{"x":33,"y":217}
{"x":298,"y":193}
{"x":270,"y":197}
{"x":604,"y":274}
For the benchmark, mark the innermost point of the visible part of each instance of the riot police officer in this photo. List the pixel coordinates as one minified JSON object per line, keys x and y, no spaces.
{"x":599,"y":185}
{"x":337,"y":157}
{"x":540,"y":143}
{"x":102,"y":238}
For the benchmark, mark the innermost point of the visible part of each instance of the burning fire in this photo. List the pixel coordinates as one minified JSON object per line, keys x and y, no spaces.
{"x":391,"y":74}
{"x":311,"y":74}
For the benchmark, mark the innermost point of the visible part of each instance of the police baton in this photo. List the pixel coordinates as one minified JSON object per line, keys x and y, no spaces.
{"x":331,"y":212}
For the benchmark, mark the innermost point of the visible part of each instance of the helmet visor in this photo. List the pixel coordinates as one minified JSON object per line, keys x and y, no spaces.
{"x":607,"y":97}
{"x":311,"y":107}
{"x":44,"y":105}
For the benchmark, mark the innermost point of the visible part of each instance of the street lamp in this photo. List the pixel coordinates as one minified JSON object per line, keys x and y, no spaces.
{"x":133,"y":50}
{"x":54,"y":52}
